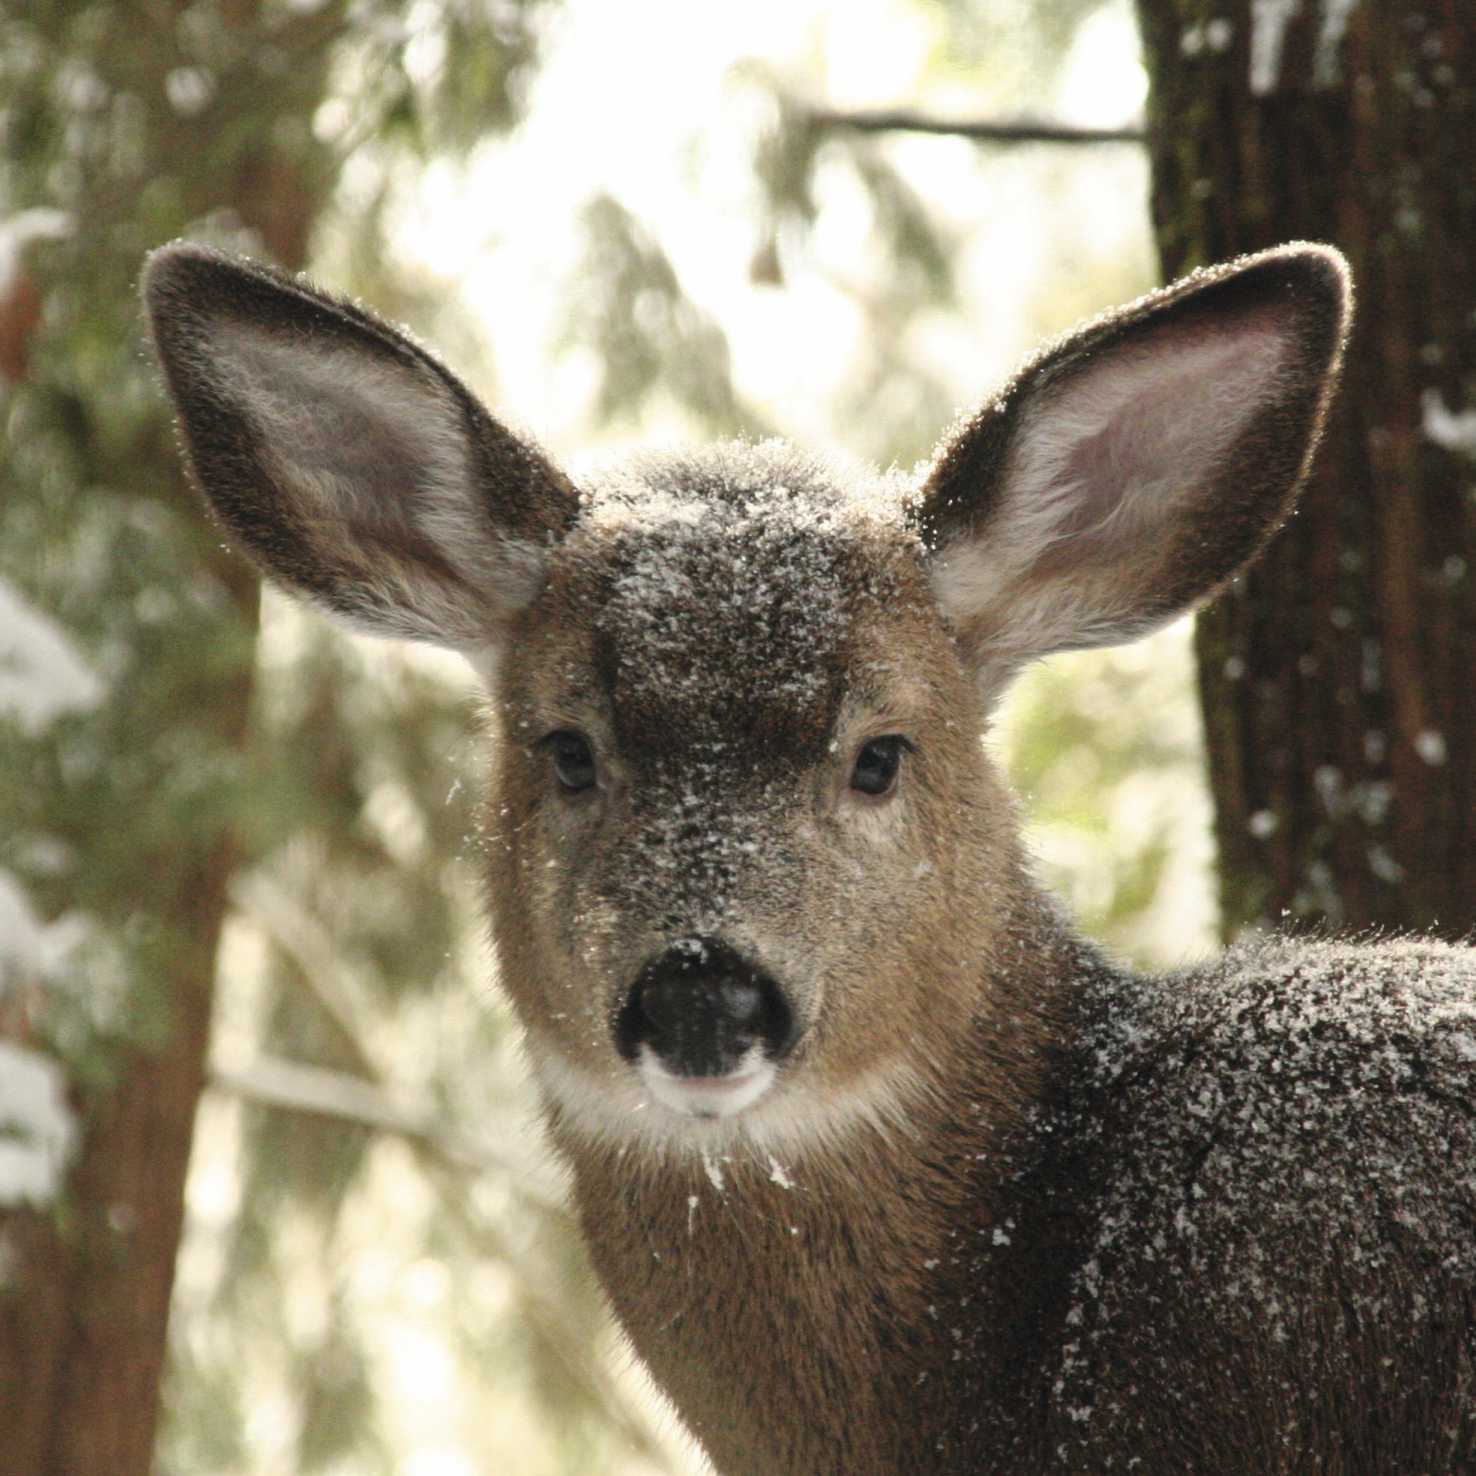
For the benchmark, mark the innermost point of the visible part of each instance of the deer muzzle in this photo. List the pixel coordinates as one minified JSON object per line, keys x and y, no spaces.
{"x":701,"y":1018}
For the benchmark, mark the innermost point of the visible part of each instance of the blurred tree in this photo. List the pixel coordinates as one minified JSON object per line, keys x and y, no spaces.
{"x":138,"y":771}
{"x":647,"y":334}
{"x":1336,"y":678}
{"x":128,"y":815}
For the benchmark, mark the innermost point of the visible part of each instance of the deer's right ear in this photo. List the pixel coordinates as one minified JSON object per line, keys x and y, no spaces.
{"x":350,"y":465}
{"x":1135,"y":466}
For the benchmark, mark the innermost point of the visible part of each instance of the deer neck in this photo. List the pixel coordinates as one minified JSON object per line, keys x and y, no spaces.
{"x":802,"y":1307}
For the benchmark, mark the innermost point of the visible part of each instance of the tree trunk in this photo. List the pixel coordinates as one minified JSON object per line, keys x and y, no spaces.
{"x":82,"y":1336}
{"x":86,"y":1279}
{"x":1338,"y":678}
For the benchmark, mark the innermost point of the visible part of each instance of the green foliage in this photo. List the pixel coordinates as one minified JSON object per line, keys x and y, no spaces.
{"x":1105,"y":748}
{"x":306,"y":780}
{"x":1011,"y":48}
{"x":648,"y":336}
{"x":116,"y":813}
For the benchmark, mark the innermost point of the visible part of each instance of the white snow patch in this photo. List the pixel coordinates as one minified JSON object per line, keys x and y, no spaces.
{"x":1451,"y":430}
{"x":714,"y":1169}
{"x":38,"y":1131}
{"x":777,"y":1175}
{"x":1327,"y":70}
{"x":19,"y":230}
{"x":1430,"y":745}
{"x":32,"y":950}
{"x":21,"y":931}
{"x":1269,"y":20}
{"x":42,"y":675}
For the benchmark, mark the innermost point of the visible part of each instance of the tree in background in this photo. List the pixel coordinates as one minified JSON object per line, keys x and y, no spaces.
{"x":102,"y":108}
{"x":1116,"y":814}
{"x":1336,"y":678}
{"x":138,"y":754}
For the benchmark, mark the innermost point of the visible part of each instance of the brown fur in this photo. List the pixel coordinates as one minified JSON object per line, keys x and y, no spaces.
{"x":998,"y":1207}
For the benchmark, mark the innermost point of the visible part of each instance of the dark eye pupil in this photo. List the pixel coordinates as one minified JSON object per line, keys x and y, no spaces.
{"x":876,"y":766}
{"x":573,"y":759}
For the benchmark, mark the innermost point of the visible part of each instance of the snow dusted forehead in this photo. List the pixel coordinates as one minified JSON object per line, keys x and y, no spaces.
{"x":736,"y":581}
{"x":651,"y":487}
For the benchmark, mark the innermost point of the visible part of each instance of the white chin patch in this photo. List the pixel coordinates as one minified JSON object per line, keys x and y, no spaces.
{"x":707,"y":1096}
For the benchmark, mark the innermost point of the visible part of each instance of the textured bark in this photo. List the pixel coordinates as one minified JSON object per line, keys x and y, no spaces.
{"x":1338,"y":678}
{"x":82,"y":1342}
{"x":85,"y":1285}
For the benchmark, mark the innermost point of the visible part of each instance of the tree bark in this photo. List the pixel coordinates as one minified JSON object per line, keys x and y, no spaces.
{"x":82,"y":1337}
{"x":86,"y":1281}
{"x":1338,"y":677}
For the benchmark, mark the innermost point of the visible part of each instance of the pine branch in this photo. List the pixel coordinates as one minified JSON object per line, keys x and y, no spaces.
{"x":1001,"y":131}
{"x":295,"y":1086}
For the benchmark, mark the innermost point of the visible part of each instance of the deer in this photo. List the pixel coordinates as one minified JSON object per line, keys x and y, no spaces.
{"x":881,"y":1164}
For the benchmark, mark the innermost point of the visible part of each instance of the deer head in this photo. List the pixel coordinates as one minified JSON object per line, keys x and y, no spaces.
{"x":747,"y":853}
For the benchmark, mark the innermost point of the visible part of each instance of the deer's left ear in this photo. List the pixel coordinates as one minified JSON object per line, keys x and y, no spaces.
{"x":1133,"y":467}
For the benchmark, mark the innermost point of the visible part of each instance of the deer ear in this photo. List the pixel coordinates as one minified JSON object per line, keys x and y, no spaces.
{"x":350,"y":465}
{"x":1133,"y":467}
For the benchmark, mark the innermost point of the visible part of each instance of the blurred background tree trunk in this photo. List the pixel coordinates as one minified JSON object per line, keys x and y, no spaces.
{"x":126,"y":125}
{"x":1338,"y":678}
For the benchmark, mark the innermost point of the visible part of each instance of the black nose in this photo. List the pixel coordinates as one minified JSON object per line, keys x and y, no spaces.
{"x":701,"y":1007}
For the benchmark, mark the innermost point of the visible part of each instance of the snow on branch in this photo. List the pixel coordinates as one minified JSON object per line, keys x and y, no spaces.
{"x":42,"y":674}
{"x":295,"y":1086}
{"x":38,"y":1130}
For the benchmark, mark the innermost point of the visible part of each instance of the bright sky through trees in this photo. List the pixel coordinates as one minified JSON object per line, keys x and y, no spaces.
{"x":647,"y":102}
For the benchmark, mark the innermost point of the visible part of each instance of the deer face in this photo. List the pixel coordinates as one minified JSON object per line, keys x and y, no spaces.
{"x":736,"y":762}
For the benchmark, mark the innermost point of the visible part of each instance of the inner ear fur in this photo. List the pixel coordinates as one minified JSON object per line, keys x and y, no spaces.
{"x":350,"y":464}
{"x":1131,"y":468}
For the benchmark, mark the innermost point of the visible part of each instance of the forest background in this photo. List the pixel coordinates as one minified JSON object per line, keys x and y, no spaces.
{"x":271,"y":1193}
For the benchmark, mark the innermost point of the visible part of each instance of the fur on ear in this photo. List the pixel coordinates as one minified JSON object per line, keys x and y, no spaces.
{"x":349,"y":463}
{"x":1134,"y":466}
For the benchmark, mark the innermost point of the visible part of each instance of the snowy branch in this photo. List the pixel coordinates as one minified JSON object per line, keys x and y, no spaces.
{"x":293,"y":1086}
{"x":450,"y":1160}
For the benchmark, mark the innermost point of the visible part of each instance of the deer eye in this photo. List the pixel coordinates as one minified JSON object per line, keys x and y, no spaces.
{"x":573,"y":760}
{"x":877,"y":762}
